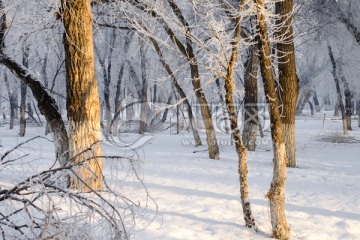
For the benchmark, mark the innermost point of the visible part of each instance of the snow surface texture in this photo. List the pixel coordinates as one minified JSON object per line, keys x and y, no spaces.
{"x":198,"y":198}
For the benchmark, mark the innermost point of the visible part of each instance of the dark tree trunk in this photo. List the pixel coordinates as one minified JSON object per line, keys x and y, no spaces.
{"x":316,"y":102}
{"x":304,"y":98}
{"x":339,"y":95}
{"x":225,"y":119}
{"x":23,"y":90}
{"x":288,"y":79}
{"x":251,"y":119}
{"x":144,"y":91}
{"x":311,"y":108}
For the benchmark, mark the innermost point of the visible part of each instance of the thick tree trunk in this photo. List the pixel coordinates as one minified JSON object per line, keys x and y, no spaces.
{"x":276,"y":194}
{"x":240,"y":148}
{"x":338,"y":90}
{"x":288,"y":79}
{"x":82,"y":95}
{"x":180,"y":91}
{"x":251,"y":119}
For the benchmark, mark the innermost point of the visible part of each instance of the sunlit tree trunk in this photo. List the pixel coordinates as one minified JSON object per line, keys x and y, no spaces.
{"x":287,"y":77}
{"x":189,"y":53}
{"x":276,"y":194}
{"x":240,"y":148}
{"x":82,"y":95}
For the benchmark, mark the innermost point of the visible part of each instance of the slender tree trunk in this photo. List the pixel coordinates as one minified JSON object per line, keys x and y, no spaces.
{"x":144,"y":91}
{"x":276,"y":194}
{"x":188,"y":52}
{"x":251,"y":119}
{"x":311,"y":108}
{"x":240,"y":148}
{"x":11,"y":101}
{"x":82,"y":95}
{"x":358,"y":111}
{"x":117,"y":101}
{"x":288,"y":79}
{"x":348,"y":98}
{"x":338,"y":90}
{"x":337,"y":109}
{"x":316,"y":102}
{"x":180,"y":91}
{"x":23,"y":90}
{"x":303,"y":99}
{"x":223,"y":107}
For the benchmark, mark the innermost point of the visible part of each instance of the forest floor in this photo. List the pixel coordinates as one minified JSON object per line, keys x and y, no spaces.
{"x":195,"y":198}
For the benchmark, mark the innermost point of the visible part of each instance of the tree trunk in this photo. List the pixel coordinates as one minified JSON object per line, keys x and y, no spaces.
{"x":358,"y":111}
{"x":316,"y":102}
{"x":144,"y":91}
{"x":288,"y":79}
{"x":348,"y":98}
{"x":240,"y":148}
{"x":188,"y":52}
{"x":23,"y":91}
{"x":82,"y":95}
{"x":180,"y":91}
{"x":339,"y":95}
{"x":223,"y":107}
{"x":303,"y":99}
{"x":117,"y":101}
{"x":337,"y":109}
{"x":311,"y":108}
{"x":251,"y":119}
{"x":276,"y":194}
{"x":11,"y":101}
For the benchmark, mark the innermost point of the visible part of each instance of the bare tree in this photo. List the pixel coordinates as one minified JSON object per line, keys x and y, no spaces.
{"x":276,"y":195}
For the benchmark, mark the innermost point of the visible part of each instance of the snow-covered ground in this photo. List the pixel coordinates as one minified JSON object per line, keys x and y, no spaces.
{"x":198,"y":198}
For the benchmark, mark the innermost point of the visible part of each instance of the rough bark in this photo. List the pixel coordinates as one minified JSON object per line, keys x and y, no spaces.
{"x":338,"y":90}
{"x":83,"y":105}
{"x":288,"y":79}
{"x":240,"y":148}
{"x":251,"y":119}
{"x":276,"y":194}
